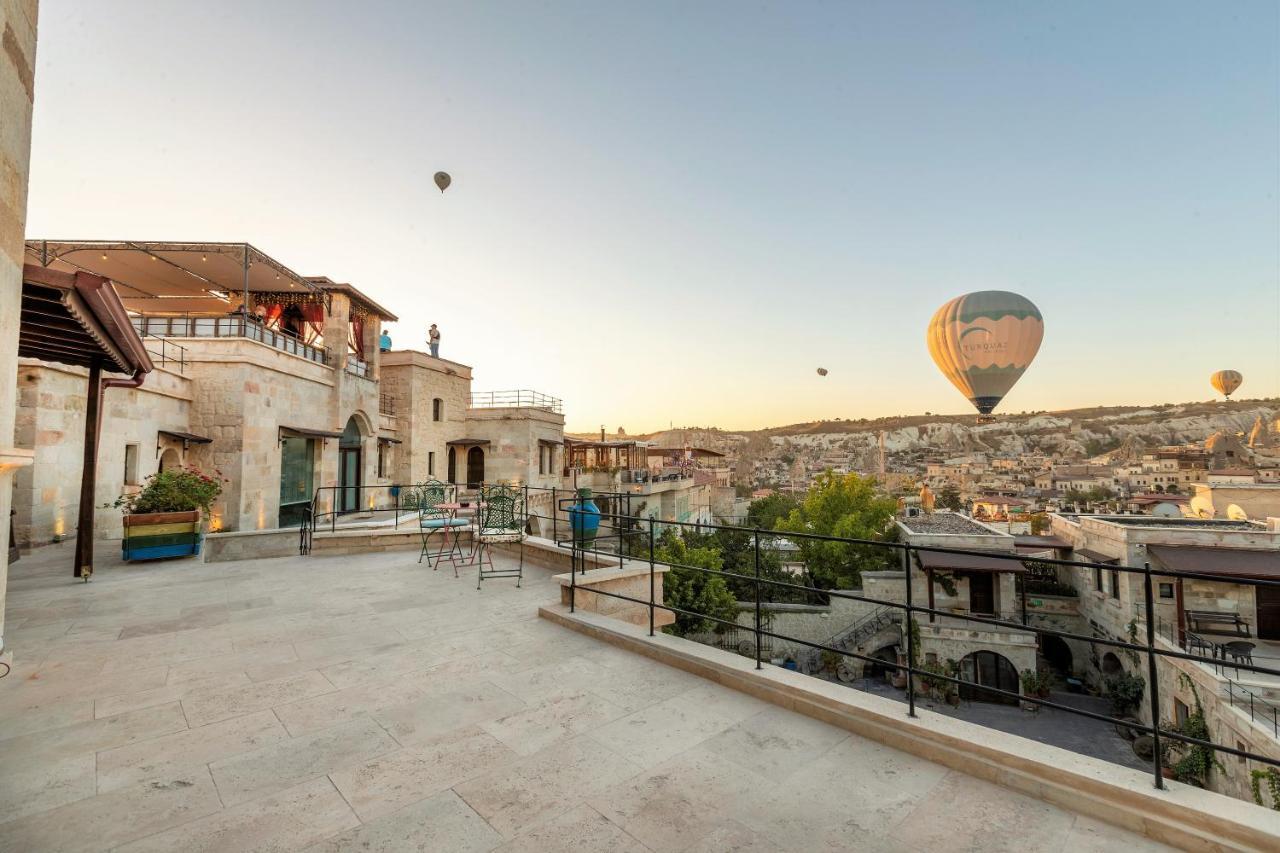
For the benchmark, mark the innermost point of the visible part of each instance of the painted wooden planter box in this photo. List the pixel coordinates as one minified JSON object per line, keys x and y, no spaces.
{"x":152,"y":535}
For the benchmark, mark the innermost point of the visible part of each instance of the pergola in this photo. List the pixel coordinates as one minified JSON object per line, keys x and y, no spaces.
{"x":931,"y":562}
{"x":175,"y":277}
{"x":77,"y":318}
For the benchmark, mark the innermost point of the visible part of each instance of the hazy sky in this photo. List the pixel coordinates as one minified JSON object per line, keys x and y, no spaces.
{"x":675,"y":212}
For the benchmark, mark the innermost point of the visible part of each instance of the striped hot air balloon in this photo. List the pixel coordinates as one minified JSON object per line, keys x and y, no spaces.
{"x":1226,"y":382}
{"x":983,"y":342}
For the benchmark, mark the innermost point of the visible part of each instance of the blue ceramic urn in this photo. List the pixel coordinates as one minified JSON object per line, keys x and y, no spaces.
{"x":584,"y":519}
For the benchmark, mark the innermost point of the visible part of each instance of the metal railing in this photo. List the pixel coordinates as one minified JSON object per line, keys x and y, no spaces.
{"x":517,"y":399}
{"x":164,"y":351}
{"x":1166,"y":736}
{"x":386,"y":404}
{"x":357,"y":366}
{"x":228,"y":326}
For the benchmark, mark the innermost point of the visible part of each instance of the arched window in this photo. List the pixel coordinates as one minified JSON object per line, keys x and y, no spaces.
{"x":988,"y":669}
{"x":437,"y":409}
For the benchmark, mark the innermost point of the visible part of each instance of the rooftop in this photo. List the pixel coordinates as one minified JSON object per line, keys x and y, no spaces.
{"x":372,"y":703}
{"x":946,"y":522}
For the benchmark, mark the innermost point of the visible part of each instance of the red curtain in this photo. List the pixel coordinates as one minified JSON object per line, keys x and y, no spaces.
{"x":357,"y":334}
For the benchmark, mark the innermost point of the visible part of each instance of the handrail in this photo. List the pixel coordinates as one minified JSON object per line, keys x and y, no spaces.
{"x":520,"y":398}
{"x":225,"y":326}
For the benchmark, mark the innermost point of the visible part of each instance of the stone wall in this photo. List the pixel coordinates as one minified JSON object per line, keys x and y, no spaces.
{"x":513,"y":450}
{"x":414,"y":380}
{"x":17,"y":93}
{"x":50,"y":420}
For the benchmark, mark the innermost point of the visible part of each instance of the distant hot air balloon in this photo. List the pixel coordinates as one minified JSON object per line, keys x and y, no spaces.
{"x":443,"y":180}
{"x":1226,"y":382}
{"x":822,"y":371}
{"x":983,"y":342}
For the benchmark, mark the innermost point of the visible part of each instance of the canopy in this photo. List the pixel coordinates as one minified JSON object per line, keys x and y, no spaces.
{"x":77,"y":318}
{"x":1089,"y":556}
{"x":307,"y":432}
{"x":174,"y":277}
{"x":939,"y":561}
{"x":464,"y":442}
{"x":1227,"y":562}
{"x":185,"y":437}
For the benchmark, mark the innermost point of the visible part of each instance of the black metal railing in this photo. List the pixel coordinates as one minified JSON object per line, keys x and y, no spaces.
{"x":386,"y":404}
{"x":164,"y":352}
{"x":1166,"y":736}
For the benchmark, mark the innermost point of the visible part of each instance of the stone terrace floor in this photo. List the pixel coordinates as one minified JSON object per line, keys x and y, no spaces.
{"x":368,"y":703}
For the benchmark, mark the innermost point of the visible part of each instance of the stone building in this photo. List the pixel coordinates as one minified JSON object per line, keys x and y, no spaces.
{"x":17,"y":91}
{"x":275,"y":381}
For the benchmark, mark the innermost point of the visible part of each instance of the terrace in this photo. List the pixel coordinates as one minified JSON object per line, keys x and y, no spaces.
{"x":373,"y":703}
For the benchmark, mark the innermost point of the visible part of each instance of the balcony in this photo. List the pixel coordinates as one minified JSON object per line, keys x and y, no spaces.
{"x":357,"y":366}
{"x":230,"y":326}
{"x":197,"y":706}
{"x":519,"y":399}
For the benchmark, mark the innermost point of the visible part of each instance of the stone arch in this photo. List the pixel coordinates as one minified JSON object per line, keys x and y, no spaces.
{"x":1110,"y":665}
{"x":170,"y":460}
{"x":985,"y":668}
{"x":1057,"y":654}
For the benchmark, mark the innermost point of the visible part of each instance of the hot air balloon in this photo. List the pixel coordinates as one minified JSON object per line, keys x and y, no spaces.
{"x":983,"y":342}
{"x":443,"y":180}
{"x":822,"y":371}
{"x":1226,"y":382}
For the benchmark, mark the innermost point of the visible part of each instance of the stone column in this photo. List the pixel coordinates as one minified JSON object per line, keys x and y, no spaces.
{"x":17,"y":91}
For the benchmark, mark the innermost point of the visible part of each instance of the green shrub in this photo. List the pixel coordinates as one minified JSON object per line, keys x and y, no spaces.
{"x":180,"y":490}
{"x":1125,"y":692}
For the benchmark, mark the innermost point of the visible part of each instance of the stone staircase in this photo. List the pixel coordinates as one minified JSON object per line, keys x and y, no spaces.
{"x":849,"y":638}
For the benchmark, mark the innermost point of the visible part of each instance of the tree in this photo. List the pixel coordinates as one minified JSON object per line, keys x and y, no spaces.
{"x":846,"y":506}
{"x":700,"y":592}
{"x":948,"y":498}
{"x":765,"y":512}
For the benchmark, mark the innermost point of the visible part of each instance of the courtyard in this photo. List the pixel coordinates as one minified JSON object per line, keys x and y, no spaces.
{"x":337,"y":703}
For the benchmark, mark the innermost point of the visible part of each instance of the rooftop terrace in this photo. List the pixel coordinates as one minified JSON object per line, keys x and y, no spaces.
{"x":372,"y":703}
{"x":946,"y":522}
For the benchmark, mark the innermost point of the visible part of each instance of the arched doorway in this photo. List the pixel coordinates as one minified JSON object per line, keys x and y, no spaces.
{"x":475,"y":466}
{"x":350,"y":465}
{"x":1111,"y":664}
{"x":885,"y":665}
{"x":988,"y":669}
{"x":170,"y":460}
{"x":453,"y":465}
{"x":1057,"y":654}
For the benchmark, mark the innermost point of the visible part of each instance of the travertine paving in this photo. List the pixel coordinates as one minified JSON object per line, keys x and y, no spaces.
{"x":369,"y":703}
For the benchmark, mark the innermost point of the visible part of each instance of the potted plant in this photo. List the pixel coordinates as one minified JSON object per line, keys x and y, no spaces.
{"x":1035,"y":684}
{"x":163,"y":518}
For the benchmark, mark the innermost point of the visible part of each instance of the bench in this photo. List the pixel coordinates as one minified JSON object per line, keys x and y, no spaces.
{"x":1232,"y":621}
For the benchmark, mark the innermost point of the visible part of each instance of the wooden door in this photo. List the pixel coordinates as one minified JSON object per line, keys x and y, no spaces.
{"x":982,"y":594}
{"x":1268,"y":612}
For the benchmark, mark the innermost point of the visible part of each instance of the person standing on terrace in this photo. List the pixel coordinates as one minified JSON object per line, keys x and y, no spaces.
{"x":433,"y":338}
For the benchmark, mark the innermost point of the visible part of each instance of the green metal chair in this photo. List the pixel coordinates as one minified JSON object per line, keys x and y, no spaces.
{"x":432,"y":519}
{"x":501,"y":518}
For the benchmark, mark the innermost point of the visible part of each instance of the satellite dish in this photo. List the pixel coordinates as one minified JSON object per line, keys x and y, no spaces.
{"x":1166,"y":511}
{"x":1235,"y":513}
{"x":1202,"y":507}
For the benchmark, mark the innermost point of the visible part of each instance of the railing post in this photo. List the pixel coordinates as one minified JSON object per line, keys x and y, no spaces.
{"x":652,"y":588}
{"x":756,"y":537}
{"x":1157,"y":758}
{"x":573,"y":572}
{"x":555,"y":509}
{"x":911,"y":646}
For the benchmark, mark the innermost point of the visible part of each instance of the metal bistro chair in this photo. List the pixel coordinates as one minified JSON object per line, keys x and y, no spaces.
{"x":432,"y":519}
{"x":500,"y":518}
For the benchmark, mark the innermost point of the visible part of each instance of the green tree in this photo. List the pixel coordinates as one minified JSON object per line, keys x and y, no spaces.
{"x":949,"y":498}
{"x":700,"y":592}
{"x":765,"y":512}
{"x":846,"y":506}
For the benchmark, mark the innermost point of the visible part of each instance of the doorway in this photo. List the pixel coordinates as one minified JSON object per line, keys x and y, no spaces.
{"x":982,"y":593}
{"x":988,"y":669}
{"x":453,"y":465}
{"x":1268,"y":598}
{"x":350,"y":463}
{"x":475,"y":467}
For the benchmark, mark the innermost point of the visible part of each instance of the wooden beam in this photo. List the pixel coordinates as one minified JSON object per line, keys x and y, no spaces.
{"x":89,"y":473}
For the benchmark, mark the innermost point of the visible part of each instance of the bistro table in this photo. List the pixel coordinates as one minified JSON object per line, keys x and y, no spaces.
{"x":455,"y":547}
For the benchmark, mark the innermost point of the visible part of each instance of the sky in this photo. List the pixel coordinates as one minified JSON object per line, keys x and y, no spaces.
{"x":673,"y":213}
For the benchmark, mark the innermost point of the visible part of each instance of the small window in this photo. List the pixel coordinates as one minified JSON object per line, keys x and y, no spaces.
{"x":431,"y":463}
{"x":1097,"y":579}
{"x":131,"y":464}
{"x":1180,"y":712}
{"x":1243,"y":747}
{"x":382,"y":459}
{"x":1166,"y":590}
{"x":437,"y":409}
{"x":1115,"y":585}
{"x":542,"y":459}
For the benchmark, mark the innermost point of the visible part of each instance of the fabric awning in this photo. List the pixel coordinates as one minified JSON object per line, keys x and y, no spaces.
{"x":938,"y":561}
{"x":304,"y":432}
{"x":1227,"y":562}
{"x":185,"y":437}
{"x":467,"y":442}
{"x":1089,"y":556}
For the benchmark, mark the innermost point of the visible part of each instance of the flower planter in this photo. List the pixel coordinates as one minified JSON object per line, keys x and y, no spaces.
{"x":152,"y":535}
